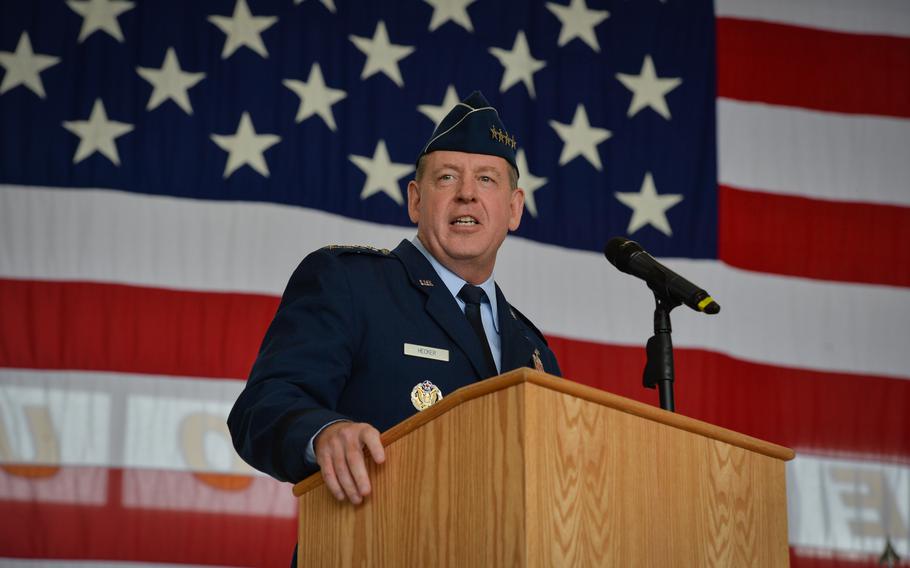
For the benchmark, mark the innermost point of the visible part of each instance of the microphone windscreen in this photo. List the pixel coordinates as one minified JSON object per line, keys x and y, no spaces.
{"x":619,"y":250}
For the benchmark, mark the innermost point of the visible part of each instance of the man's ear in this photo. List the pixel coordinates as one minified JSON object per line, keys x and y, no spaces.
{"x":516,"y":207}
{"x":413,"y":201}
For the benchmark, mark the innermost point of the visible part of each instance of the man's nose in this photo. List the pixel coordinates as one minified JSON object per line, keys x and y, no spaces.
{"x":467,"y":190}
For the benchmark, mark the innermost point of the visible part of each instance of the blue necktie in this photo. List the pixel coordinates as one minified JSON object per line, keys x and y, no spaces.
{"x":472,"y":296}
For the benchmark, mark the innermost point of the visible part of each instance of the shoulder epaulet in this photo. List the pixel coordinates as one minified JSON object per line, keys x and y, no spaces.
{"x":520,"y":316}
{"x":357,"y":249}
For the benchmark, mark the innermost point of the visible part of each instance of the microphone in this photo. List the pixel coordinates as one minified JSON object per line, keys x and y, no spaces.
{"x":629,"y":257}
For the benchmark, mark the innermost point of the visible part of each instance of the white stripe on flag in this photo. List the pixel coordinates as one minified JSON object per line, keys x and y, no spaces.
{"x":188,"y":244}
{"x":813,"y":154}
{"x":881,"y":17}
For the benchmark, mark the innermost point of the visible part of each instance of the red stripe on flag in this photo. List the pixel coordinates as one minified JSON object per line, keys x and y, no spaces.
{"x":828,"y":240}
{"x":112,"y":327}
{"x":717,"y":388}
{"x":113,"y":531}
{"x":712,"y":387}
{"x":823,"y":70}
{"x":826,"y":559}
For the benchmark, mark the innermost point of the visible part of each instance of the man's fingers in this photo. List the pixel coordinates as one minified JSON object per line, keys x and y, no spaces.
{"x":331,"y":480}
{"x":374,"y":444}
{"x":342,"y":460}
{"x":358,"y":469}
{"x":344,"y":477}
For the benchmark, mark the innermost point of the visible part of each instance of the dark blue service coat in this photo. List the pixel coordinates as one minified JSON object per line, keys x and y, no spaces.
{"x":336,"y":350}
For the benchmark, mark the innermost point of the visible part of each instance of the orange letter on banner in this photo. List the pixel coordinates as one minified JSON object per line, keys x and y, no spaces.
{"x":193,"y":431}
{"x":44,"y":438}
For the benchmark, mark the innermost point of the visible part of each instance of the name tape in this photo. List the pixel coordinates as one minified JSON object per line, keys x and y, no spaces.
{"x":434,"y":353}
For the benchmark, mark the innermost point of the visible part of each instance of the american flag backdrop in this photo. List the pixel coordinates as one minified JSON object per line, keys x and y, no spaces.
{"x":165,"y":164}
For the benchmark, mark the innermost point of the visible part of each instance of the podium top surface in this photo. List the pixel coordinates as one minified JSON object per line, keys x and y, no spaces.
{"x":570,"y":388}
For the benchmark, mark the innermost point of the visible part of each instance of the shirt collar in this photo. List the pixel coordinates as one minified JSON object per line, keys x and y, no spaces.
{"x":454,"y":282}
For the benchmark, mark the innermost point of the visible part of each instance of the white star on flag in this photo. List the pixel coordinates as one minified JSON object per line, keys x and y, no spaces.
{"x":648,"y":90}
{"x":315,"y":97}
{"x":580,"y":138}
{"x":170,"y":82}
{"x":649,"y":208}
{"x":97,"y":134}
{"x":382,"y":55}
{"x":437,"y":113}
{"x":100,"y":15}
{"x":24,"y":67}
{"x":528,"y":182}
{"x":245,"y":147}
{"x":578,"y":22}
{"x":382,"y":173}
{"x":329,"y":4}
{"x":518,"y":63}
{"x":243,"y":29}
{"x":451,"y":10}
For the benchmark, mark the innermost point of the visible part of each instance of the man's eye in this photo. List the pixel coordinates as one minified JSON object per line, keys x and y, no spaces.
{"x":446,"y":177}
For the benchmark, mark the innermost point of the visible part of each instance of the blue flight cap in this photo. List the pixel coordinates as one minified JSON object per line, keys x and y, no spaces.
{"x":473,"y":126}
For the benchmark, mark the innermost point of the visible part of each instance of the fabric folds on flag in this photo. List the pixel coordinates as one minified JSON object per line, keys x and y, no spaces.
{"x":165,"y":165}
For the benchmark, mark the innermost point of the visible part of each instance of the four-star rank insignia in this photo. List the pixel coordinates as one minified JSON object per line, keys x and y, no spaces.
{"x":503,"y":137}
{"x":424,"y":395}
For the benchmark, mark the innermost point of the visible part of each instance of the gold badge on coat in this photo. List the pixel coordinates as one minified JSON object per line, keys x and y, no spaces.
{"x":424,"y":395}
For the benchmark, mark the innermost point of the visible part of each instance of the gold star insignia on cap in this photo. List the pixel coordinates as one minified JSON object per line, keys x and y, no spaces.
{"x":503,"y":137}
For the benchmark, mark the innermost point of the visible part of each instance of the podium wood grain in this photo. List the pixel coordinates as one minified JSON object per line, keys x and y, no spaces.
{"x":529,"y":470}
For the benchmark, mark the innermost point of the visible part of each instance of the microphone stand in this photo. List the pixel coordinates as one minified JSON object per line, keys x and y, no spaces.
{"x":659,"y":368}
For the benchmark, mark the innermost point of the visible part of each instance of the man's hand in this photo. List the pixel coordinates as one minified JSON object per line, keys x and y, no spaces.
{"x":339,"y":453}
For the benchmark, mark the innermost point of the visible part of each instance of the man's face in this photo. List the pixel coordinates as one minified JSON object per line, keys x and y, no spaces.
{"x":464,"y":206}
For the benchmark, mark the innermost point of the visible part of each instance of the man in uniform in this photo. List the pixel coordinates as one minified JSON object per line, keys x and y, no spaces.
{"x":364,"y":338}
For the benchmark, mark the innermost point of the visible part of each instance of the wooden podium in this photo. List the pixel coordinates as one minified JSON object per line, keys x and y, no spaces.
{"x":527,"y":469}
